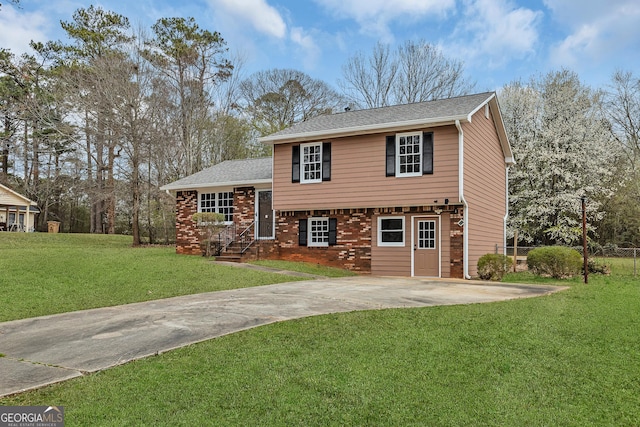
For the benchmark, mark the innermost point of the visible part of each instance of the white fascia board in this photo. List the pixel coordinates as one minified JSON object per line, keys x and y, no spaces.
{"x":362,"y":130}
{"x":20,"y":196}
{"x":170,"y":187}
{"x":485,"y":102}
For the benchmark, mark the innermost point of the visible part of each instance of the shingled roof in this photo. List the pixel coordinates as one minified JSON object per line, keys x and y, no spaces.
{"x":227,"y":173}
{"x":438,"y":112}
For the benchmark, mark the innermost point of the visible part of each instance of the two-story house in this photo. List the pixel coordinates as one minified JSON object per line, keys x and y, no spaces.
{"x":408,"y":190}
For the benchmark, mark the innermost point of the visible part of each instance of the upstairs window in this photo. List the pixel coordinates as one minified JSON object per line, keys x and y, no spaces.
{"x":409,"y":154}
{"x":311,"y":162}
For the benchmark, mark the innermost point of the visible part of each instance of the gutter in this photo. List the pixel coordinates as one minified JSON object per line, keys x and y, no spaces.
{"x":465,"y":217}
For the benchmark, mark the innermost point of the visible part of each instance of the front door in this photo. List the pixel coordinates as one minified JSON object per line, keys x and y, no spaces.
{"x":264,"y":215}
{"x":426,"y":247}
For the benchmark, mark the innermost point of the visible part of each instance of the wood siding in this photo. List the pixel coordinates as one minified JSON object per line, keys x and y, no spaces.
{"x":391,"y":260}
{"x":358,"y":176}
{"x":484,"y":187}
{"x":10,"y":199}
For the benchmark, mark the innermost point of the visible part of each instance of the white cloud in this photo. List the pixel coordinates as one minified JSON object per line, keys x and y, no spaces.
{"x":307,"y":46}
{"x":263,"y":17}
{"x":598,"y":30}
{"x":374,"y":16}
{"x":495,"y":32}
{"x":18,"y":28}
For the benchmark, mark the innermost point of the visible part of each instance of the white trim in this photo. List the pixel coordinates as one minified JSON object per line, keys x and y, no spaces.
{"x":360,"y":130}
{"x":379,"y":241}
{"x":216,"y":207}
{"x":302,"y":147}
{"x":397,"y":148}
{"x":257,"y":213}
{"x":321,"y":244}
{"x":465,"y":213}
{"x":438,"y":219}
{"x":187,"y":187}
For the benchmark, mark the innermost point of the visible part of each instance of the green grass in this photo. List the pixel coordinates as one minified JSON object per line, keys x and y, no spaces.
{"x":44,"y":273}
{"x":304,"y":267}
{"x":567,"y":359}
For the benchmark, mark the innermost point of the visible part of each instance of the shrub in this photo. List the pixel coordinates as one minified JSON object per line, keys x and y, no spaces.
{"x":554,"y":261}
{"x":597,"y":268}
{"x":493,"y":266}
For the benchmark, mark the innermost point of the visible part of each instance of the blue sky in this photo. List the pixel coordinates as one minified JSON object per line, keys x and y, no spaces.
{"x":499,"y":40}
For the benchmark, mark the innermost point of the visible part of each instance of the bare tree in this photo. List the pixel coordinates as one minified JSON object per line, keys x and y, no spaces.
{"x":277,"y":98}
{"x":416,"y":71}
{"x":368,"y":80}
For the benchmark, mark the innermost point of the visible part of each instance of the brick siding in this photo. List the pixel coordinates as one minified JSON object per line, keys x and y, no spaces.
{"x":187,"y":234}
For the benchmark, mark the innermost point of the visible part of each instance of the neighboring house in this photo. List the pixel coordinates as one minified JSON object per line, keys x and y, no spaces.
{"x":17,"y":213}
{"x":409,"y":190}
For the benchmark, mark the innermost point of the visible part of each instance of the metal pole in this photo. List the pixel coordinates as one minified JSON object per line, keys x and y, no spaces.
{"x":634,"y":262}
{"x":584,"y":241}
{"x":515,"y":250}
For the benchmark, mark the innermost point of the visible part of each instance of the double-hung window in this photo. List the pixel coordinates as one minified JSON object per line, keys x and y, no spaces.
{"x":318,"y":231}
{"x":391,"y":231}
{"x":311,"y":161}
{"x":409,"y":154}
{"x":221,"y":202}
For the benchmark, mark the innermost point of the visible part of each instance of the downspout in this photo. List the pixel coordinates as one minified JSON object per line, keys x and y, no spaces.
{"x":506,"y":210}
{"x":465,"y":217}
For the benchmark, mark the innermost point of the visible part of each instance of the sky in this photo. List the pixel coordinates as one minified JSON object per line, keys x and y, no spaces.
{"x":499,"y":41}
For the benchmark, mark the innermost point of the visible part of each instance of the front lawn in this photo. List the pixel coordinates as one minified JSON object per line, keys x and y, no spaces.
{"x":567,"y":359}
{"x":44,"y":273}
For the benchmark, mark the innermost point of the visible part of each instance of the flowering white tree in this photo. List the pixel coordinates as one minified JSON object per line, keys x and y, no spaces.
{"x":563,"y":151}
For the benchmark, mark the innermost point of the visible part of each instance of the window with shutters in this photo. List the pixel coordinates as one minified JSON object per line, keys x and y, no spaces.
{"x":409,"y":154}
{"x":318,"y":232}
{"x":311,"y":162}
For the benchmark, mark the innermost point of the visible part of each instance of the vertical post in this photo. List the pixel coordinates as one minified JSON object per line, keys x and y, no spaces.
{"x":515,"y":250}
{"x":634,"y":262}
{"x":584,"y":241}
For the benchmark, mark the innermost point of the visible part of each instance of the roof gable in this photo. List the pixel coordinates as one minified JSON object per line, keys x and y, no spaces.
{"x":9,"y":197}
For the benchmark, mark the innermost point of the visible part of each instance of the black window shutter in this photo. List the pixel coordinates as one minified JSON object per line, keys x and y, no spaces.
{"x":295,"y":163}
{"x":427,"y":153}
{"x":326,"y":161}
{"x":391,"y":155}
{"x":333,"y":231}
{"x":302,"y":232}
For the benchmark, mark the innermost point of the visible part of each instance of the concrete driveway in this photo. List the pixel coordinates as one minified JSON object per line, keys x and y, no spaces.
{"x":49,"y":349}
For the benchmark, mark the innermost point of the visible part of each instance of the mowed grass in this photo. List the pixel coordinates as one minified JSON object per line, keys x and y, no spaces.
{"x":567,"y":359}
{"x":44,"y":273}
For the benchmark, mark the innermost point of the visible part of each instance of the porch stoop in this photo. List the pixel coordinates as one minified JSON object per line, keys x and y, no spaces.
{"x":234,"y":253}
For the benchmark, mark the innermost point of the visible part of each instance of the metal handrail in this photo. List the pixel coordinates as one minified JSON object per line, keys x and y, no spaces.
{"x":247,"y":236}
{"x":225,"y":238}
